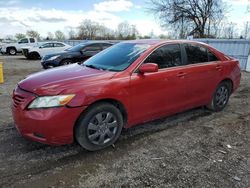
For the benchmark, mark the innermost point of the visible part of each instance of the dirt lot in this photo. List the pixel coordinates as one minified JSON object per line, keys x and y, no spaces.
{"x":192,"y":149}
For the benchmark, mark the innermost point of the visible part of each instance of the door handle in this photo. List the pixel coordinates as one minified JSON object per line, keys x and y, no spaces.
{"x":181,"y":74}
{"x":218,"y":67}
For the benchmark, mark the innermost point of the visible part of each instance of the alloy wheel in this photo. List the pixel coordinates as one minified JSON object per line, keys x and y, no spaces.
{"x":102,"y":128}
{"x":221,"y":96}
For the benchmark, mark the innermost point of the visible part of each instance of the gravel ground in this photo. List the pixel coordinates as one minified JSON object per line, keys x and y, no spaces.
{"x":196,"y":148}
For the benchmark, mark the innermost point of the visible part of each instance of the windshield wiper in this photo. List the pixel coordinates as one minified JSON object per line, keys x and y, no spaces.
{"x":93,"y":67}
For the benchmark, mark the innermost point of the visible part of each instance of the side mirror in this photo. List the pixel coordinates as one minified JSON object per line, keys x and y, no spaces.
{"x":148,"y":67}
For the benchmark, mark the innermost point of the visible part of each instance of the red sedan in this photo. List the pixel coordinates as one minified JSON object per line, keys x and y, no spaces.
{"x":127,"y":84}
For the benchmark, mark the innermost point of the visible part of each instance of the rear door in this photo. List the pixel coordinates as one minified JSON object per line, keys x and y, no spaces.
{"x":45,"y":49}
{"x":58,"y":47}
{"x":204,"y":72}
{"x":156,"y":94}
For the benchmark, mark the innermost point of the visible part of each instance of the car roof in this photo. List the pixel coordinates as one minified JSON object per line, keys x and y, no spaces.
{"x":160,"y":41}
{"x":96,"y":42}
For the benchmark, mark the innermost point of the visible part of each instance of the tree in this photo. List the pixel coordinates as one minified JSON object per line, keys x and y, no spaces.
{"x":88,"y":29}
{"x":195,"y":16}
{"x":126,"y":31}
{"x":33,"y":34}
{"x":19,"y":36}
{"x":230,"y":30}
{"x":50,"y":36}
{"x":59,"y":35}
{"x":72,"y":34}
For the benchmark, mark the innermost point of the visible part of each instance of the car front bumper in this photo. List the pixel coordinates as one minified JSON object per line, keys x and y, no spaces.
{"x":47,"y":64}
{"x":53,"y":126}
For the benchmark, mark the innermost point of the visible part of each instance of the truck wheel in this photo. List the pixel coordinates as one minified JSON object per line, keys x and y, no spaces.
{"x":99,"y":127}
{"x":12,"y":51}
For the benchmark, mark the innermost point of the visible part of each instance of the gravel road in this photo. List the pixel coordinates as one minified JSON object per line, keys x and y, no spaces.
{"x":196,"y":148}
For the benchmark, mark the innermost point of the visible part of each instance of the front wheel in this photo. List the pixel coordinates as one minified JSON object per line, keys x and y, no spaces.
{"x":99,"y":127}
{"x":66,"y":62}
{"x":220,"y":97}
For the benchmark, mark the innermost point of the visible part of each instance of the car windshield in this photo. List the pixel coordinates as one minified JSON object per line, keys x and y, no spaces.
{"x":76,"y":48}
{"x":118,"y":57}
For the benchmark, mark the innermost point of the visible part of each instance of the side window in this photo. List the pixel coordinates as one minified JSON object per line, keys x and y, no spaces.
{"x":212,"y":57}
{"x":104,"y":46}
{"x":166,"y":56}
{"x":32,"y":40}
{"x":47,"y":45}
{"x":22,"y":41}
{"x":196,"y":54}
{"x":58,"y":45}
{"x":94,"y":48}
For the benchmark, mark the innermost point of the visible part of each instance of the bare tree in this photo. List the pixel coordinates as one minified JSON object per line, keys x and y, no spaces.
{"x":126,"y":31}
{"x":229,"y":30}
{"x":32,"y":33}
{"x":72,"y":34}
{"x":50,"y":36}
{"x":20,"y":36}
{"x":194,"y":15}
{"x":59,"y":35}
{"x":88,"y":29}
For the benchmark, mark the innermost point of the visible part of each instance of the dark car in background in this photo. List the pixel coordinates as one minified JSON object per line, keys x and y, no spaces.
{"x":78,"y":53}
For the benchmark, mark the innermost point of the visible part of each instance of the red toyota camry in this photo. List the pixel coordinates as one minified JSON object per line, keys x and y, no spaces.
{"x":127,"y":84}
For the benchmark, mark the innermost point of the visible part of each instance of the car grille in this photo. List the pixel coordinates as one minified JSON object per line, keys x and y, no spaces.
{"x":18,"y":100}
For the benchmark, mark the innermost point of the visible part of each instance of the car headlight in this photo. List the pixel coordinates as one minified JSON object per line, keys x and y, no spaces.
{"x":53,"y":57}
{"x":50,"y":101}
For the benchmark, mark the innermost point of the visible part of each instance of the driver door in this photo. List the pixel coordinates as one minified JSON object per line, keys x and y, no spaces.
{"x":159,"y":93}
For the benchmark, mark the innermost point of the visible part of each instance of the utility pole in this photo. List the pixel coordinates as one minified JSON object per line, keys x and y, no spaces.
{"x":246,"y":30}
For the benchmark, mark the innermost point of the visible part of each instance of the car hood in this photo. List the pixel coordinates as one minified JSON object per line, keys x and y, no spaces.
{"x":66,"y":78}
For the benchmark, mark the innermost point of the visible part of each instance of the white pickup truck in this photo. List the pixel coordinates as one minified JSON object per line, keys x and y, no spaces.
{"x":13,"y":48}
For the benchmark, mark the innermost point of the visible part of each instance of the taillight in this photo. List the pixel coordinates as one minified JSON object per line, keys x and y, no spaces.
{"x":238,"y":64}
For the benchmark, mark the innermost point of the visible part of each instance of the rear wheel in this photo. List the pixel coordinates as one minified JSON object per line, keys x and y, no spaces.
{"x":66,"y":62}
{"x":12,"y":51}
{"x":220,"y":97}
{"x":99,"y":127}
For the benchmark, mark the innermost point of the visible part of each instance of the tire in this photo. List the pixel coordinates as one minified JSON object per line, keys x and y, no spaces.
{"x":66,"y":62}
{"x":34,"y":56}
{"x":12,"y":51}
{"x":48,"y":66}
{"x":99,"y":127}
{"x":220,"y":97}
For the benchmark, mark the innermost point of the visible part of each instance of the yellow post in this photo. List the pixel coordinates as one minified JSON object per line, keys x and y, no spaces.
{"x":1,"y":73}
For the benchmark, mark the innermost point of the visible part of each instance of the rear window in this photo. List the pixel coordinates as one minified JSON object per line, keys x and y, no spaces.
{"x":198,"y":54}
{"x":58,"y":45}
{"x":195,"y":54}
{"x":32,"y":40}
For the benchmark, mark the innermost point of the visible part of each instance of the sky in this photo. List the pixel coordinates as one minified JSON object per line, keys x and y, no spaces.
{"x":17,"y":16}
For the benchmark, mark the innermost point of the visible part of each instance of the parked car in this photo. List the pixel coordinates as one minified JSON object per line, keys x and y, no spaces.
{"x":13,"y":48}
{"x":78,"y":53}
{"x":129,"y":83}
{"x":43,"y":49}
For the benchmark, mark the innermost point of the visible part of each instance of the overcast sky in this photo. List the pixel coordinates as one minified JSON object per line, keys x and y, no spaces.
{"x":17,"y":16}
